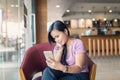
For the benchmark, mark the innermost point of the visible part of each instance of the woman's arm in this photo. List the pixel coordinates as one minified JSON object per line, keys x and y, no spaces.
{"x":79,"y":62}
{"x":58,"y":54}
{"x":55,"y":63}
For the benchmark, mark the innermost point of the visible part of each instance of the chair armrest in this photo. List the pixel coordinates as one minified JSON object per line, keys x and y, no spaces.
{"x":39,"y":74}
{"x":22,"y":74}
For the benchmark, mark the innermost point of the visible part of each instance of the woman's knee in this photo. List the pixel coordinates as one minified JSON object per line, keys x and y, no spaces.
{"x":48,"y":74}
{"x":46,"y":70}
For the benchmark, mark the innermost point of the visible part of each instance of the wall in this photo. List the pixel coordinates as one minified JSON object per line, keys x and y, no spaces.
{"x":28,"y":31}
{"x":41,"y":20}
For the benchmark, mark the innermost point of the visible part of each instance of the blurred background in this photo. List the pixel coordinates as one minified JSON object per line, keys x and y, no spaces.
{"x":21,"y":29}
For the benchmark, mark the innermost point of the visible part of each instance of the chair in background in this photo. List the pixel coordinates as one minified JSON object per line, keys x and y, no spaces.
{"x":34,"y":62}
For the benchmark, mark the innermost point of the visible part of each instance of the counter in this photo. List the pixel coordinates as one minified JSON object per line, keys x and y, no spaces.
{"x":102,"y":45}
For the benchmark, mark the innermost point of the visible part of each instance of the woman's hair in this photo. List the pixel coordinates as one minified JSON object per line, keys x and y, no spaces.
{"x":57,"y":25}
{"x":60,"y":26}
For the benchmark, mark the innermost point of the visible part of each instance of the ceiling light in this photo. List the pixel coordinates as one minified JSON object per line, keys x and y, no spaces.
{"x":16,"y":5}
{"x":110,"y":10}
{"x":89,"y":11}
{"x":12,"y":5}
{"x":104,"y":19}
{"x":93,"y":19}
{"x":67,"y":10}
{"x":57,"y":6}
{"x":82,"y":19}
{"x":115,"y":20}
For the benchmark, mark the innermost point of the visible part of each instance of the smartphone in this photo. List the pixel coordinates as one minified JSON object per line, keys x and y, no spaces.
{"x":48,"y":54}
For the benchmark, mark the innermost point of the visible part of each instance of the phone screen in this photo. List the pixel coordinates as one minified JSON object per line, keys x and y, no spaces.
{"x":48,"y":54}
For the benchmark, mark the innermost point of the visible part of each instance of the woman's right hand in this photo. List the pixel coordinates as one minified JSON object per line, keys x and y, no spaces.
{"x":57,"y":56}
{"x":59,"y":45}
{"x":53,"y":64}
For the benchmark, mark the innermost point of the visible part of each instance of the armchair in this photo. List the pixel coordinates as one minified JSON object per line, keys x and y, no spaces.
{"x":34,"y":62}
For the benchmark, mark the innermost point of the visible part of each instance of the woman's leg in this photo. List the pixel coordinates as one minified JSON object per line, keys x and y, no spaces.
{"x":50,"y":74}
{"x":79,"y":76}
{"x":84,"y":76}
{"x":68,"y":77}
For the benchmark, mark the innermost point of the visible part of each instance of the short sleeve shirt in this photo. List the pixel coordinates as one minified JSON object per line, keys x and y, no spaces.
{"x":76,"y":48}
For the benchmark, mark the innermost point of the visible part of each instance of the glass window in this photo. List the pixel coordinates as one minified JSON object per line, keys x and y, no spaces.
{"x":12,"y":40}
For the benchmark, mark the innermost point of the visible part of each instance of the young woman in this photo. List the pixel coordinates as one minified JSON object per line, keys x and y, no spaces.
{"x":70,"y":58}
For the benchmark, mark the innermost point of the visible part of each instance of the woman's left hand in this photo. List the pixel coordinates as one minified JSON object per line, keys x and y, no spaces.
{"x":53,"y":64}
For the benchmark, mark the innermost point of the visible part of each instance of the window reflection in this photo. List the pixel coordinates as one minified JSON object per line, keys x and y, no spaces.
{"x":12,"y":39}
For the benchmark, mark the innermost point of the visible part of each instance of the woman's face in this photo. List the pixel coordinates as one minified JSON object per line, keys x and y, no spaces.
{"x":59,"y":37}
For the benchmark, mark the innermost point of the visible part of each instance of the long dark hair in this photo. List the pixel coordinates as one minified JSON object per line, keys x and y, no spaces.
{"x":60,"y":26}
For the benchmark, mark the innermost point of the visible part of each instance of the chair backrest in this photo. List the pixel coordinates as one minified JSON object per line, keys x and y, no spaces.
{"x":92,"y":69}
{"x":34,"y":60}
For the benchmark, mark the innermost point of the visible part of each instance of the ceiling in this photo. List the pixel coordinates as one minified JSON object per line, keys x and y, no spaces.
{"x":80,"y":6}
{"x":75,"y":6}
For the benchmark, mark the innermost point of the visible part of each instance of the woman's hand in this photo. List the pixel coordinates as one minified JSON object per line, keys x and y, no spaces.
{"x":60,"y":45}
{"x":53,"y":64}
{"x":58,"y":53}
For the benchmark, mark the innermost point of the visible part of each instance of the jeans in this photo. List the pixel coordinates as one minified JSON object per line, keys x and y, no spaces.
{"x":51,"y":74}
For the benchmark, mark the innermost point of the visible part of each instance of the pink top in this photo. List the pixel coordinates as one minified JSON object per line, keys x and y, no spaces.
{"x":76,"y":48}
